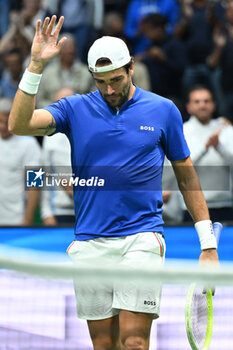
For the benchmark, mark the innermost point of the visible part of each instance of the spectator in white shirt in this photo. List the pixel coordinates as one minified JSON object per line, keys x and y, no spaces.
{"x":17,"y":206}
{"x":212,"y":157}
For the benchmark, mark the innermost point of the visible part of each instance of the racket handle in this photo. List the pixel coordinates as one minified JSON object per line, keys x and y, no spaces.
{"x":217,"y":228}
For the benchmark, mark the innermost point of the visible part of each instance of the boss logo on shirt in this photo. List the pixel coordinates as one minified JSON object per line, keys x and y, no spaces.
{"x":147,"y":128}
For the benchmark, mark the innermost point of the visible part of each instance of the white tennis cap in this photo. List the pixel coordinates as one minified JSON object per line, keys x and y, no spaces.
{"x":109,"y":47}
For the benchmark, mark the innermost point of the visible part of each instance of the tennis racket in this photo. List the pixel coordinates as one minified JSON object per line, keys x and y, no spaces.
{"x":199,"y":310}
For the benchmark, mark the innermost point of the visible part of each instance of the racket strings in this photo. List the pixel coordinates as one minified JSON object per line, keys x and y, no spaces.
{"x":199,"y":316}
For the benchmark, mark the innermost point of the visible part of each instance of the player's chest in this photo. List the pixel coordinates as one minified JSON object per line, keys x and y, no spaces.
{"x":133,"y":130}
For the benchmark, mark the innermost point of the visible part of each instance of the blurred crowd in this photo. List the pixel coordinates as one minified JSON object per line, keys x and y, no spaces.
{"x":183,"y":50}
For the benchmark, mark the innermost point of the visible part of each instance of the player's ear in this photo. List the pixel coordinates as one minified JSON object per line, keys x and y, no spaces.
{"x":131,"y":68}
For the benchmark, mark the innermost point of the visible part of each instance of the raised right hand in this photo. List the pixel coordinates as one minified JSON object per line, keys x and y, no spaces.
{"x":45,"y":45}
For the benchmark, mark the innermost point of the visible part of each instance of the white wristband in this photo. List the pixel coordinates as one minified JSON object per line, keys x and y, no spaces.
{"x":206,"y":235}
{"x":30,"y":82}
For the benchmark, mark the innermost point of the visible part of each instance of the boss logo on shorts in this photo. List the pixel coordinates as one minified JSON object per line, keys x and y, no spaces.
{"x":150,"y":302}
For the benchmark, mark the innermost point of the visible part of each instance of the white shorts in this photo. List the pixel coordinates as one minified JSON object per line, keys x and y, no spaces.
{"x":95,"y":302}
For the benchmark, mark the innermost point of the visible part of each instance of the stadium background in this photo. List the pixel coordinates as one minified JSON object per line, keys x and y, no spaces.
{"x":66,"y":332}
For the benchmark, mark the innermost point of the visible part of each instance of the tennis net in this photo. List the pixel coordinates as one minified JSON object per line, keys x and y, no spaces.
{"x":38,"y":311}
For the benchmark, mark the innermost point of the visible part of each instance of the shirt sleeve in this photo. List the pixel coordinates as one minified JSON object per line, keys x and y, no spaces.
{"x":59,"y":112}
{"x":176,"y":147}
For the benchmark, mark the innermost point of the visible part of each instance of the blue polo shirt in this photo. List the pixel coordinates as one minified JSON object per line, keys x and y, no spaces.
{"x":124,"y":150}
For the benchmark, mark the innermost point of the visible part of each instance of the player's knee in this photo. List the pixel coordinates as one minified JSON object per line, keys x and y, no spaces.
{"x":104,"y":343}
{"x":135,"y":343}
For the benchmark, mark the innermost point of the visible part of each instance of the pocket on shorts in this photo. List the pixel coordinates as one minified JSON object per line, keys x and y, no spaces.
{"x":161,"y":243}
{"x":152,"y":242}
{"x":71,"y":247}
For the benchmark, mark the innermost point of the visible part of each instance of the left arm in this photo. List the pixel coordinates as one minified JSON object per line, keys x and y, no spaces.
{"x":190,"y":188}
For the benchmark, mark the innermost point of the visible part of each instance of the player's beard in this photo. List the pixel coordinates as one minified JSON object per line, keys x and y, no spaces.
{"x":121,"y":97}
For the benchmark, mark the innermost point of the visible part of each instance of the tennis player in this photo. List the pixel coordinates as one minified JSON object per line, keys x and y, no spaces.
{"x":126,"y":132}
